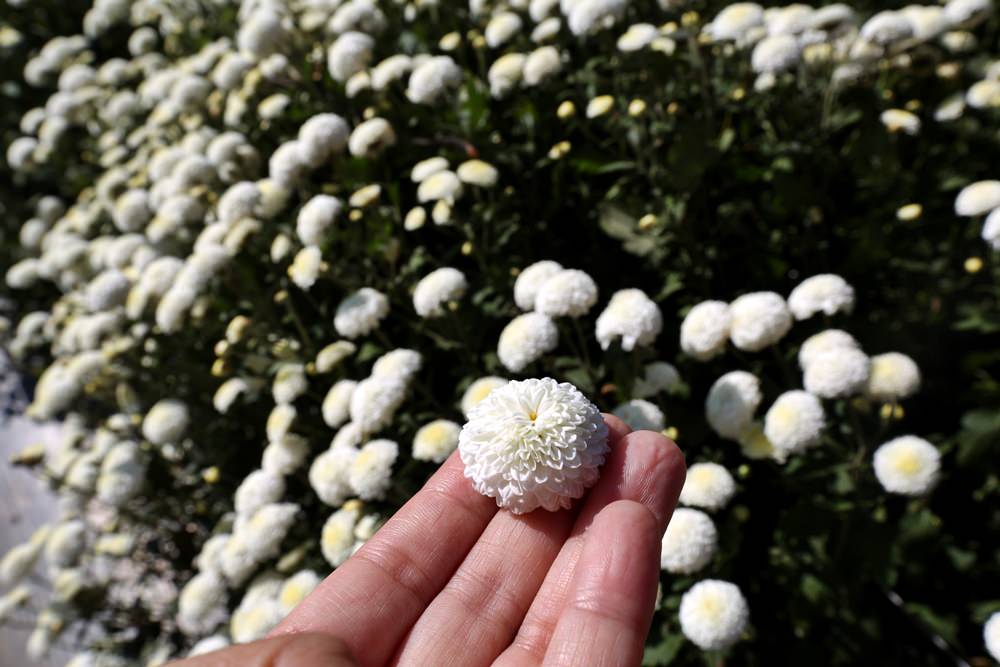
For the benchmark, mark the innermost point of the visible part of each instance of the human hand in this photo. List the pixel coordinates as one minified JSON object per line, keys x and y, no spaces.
{"x":450,"y":580}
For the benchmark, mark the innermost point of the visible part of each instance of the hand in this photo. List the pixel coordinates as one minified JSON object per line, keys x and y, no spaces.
{"x":449,"y":580}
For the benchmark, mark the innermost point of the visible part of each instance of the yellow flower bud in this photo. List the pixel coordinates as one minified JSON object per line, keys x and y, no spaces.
{"x":973,"y":265}
{"x":566,"y":110}
{"x":909,"y":212}
{"x":355,"y":215}
{"x":600,"y":105}
{"x":210,"y":475}
{"x":689,"y":19}
{"x":636,"y":107}
{"x":671,"y":432}
{"x":647,"y":221}
{"x":467,"y":248}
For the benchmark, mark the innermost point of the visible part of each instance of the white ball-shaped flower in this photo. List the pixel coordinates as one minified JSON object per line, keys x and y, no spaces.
{"x":526,"y":338}
{"x":534,"y":443}
{"x":285,"y":455}
{"x":658,"y":376}
{"x":305,"y":268}
{"x":65,"y":543}
{"x":201,"y":605}
{"x":893,"y":376}
{"x":759,"y":319}
{"x":630,"y":316}
{"x":530,"y":281}
{"x":979,"y":198}
{"x":733,"y":22}
{"x":437,"y":289}
{"x":315,"y":217}
{"x":442,"y":185}
{"x":375,"y":400}
{"x":479,"y":390}
{"x":436,"y":441}
{"x":329,"y":472}
{"x":336,"y":406}
{"x":165,"y":422}
{"x":690,"y":542}
{"x":824,"y":293}
{"x":370,"y":473}
{"x":370,"y":137}
{"x":349,"y":54}
{"x":886,"y":27}
{"x":714,"y":614}
{"x":775,"y":53}
{"x":991,"y":635}
{"x":823,"y":342}
{"x":569,"y":293}
{"x":478,"y":172}
{"x":431,"y":78}
{"x":794,"y":423}
{"x":641,"y":415}
{"x":259,"y":488}
{"x":732,"y":402}
{"x":541,"y":64}
{"x":505,"y":73}
{"x":399,"y":365}
{"x":705,"y":330}
{"x":501,"y":28}
{"x":708,"y":486}
{"x":837,"y":373}
{"x":296,"y":588}
{"x":337,"y":539}
{"x":360,"y":313}
{"x":322,"y":136}
{"x":907,"y":465}
{"x":991,"y":229}
{"x":426,"y":168}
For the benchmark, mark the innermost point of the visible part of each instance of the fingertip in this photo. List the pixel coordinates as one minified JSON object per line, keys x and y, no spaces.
{"x":654,"y":469}
{"x":617,"y":429}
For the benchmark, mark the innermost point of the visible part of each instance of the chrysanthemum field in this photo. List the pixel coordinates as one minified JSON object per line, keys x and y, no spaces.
{"x":262,"y":258}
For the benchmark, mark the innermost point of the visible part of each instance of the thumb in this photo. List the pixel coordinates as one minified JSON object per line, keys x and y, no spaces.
{"x":298,"y":650}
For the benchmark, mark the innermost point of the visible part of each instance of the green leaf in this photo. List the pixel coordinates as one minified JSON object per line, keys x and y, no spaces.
{"x":664,"y":652}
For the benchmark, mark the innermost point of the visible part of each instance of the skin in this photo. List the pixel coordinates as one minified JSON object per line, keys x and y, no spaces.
{"x":450,"y":580}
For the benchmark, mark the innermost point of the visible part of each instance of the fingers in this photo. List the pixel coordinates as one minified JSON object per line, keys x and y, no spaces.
{"x":610,"y":602}
{"x":485,"y":602}
{"x":646,"y":468}
{"x":373,"y":599}
{"x":303,"y":650}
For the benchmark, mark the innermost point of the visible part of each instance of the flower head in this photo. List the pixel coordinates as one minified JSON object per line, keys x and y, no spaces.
{"x":732,"y":402}
{"x":705,"y":330}
{"x":630,"y":316}
{"x":714,"y":614}
{"x":825,"y":293}
{"x":759,"y":319}
{"x":360,"y":313}
{"x":437,"y":289}
{"x":689,"y":543}
{"x":530,"y":281}
{"x":893,"y":376}
{"x":436,"y":441}
{"x":708,"y":486}
{"x":907,"y":465}
{"x":641,"y":415}
{"x":568,"y":293}
{"x":794,"y":423}
{"x":837,"y":373}
{"x":526,"y":338}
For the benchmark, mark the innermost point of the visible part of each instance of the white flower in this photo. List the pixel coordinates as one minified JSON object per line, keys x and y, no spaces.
{"x":501,"y":28}
{"x":477,"y":172}
{"x":266,"y":529}
{"x":759,"y":319}
{"x":336,"y":407}
{"x":638,"y":36}
{"x":732,"y":402}
{"x":305,"y":268}
{"x":285,"y":455}
{"x":900,"y":120}
{"x":123,"y":472}
{"x":279,"y":421}
{"x":19,"y":561}
{"x":166,"y":422}
{"x":431,"y":78}
{"x":315,"y":217}
{"x":360,"y":313}
{"x":525,"y":339}
{"x":534,"y":443}
{"x":440,"y":185}
{"x":541,"y":64}
{"x":658,"y":376}
{"x":505,"y":73}
{"x":991,"y":635}
{"x":794,"y":423}
{"x":708,"y":486}
{"x":296,"y":588}
{"x":331,"y":355}
{"x":349,"y":55}
{"x":587,"y":15}
{"x":630,"y":316}
{"x":641,"y":415}
{"x":978,"y":198}
{"x":774,"y":54}
{"x":478,"y":391}
{"x":416,"y":218}
{"x":348,"y":435}
{"x":370,"y":473}
{"x":907,"y":465}
{"x":201,"y":606}
{"x":991,"y":229}
{"x":960,"y":11}
{"x":287,"y":165}
{"x":823,"y":342}
{"x":436,"y":289}
{"x":322,"y":136}
{"x":399,"y":365}
{"x":886,"y":27}
{"x":714,"y":614}
{"x":424,"y":169}
{"x":337,"y":541}
{"x":251,"y":622}
{"x":65,"y":543}
{"x":736,"y":20}
{"x":569,"y":293}
{"x":259,"y":488}
{"x":107,"y":290}
{"x":824,"y":293}
{"x":389,"y":70}
{"x":289,"y":383}
{"x":894,"y":376}
{"x":370,"y":137}
{"x":436,"y":441}
{"x":530,"y":281}
{"x":375,"y":400}
{"x":705,"y":330}
{"x":983,"y":94}
{"x":837,"y":373}
{"x":329,"y":472}
{"x":690,"y":542}
{"x":227,"y":393}
{"x":239,"y":201}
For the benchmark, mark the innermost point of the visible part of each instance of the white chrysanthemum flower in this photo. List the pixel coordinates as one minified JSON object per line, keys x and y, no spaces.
{"x":837,"y":373}
{"x":337,"y":541}
{"x":708,"y":486}
{"x":759,"y":319}
{"x":991,"y":635}
{"x":546,"y":30}
{"x":794,"y":423}
{"x":501,"y":28}
{"x":436,"y":441}
{"x":360,"y":313}
{"x":336,"y":406}
{"x":690,"y":542}
{"x":534,"y":443}
{"x":631,"y":317}
{"x":415,"y":218}
{"x":754,"y":443}
{"x":208,"y":644}
{"x":14,"y":600}
{"x":370,"y":474}
{"x":322,"y":136}
{"x":239,"y":201}
{"x":348,"y":55}
{"x":315,"y":217}
{"x":705,"y":330}
{"x":228,"y":392}
{"x":296,"y":588}
{"x":991,"y":229}
{"x":894,"y":376}
{"x":569,"y":293}
{"x":390,"y":70}
{"x":732,"y":402}
{"x":331,"y":355}
{"x":375,"y":400}
{"x":266,"y":529}
{"x":907,"y":465}
{"x":541,"y":64}
{"x":641,"y":415}
{"x":886,"y":27}
{"x":19,"y":561}
{"x":983,"y":94}
{"x":370,"y":137}
{"x":285,"y":455}
{"x":478,"y":391}
{"x":824,"y":293}
{"x":961,"y":11}
{"x":107,"y":290}
{"x":399,"y":365}
{"x":530,"y":281}
{"x":477,"y":172}
{"x":735,"y":21}
{"x":431,"y":78}
{"x":166,"y":422}
{"x":201,"y":605}
{"x":525,"y":339}
{"x":348,"y":435}
{"x":714,"y":614}
{"x":328,"y":474}
{"x":825,"y":341}
{"x":426,"y":168}
{"x":289,"y":383}
{"x":259,"y":488}
{"x":978,"y":198}
{"x":305,"y":268}
{"x":279,"y":421}
{"x":586,"y":16}
{"x":123,"y":472}
{"x":65,"y":542}
{"x":658,"y":376}
{"x":775,"y":54}
{"x":900,"y":120}
{"x":505,"y":73}
{"x":637,"y":37}
{"x":251,"y":622}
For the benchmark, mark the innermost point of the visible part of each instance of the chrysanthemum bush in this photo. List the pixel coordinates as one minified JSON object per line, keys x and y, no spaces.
{"x":265,"y":258}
